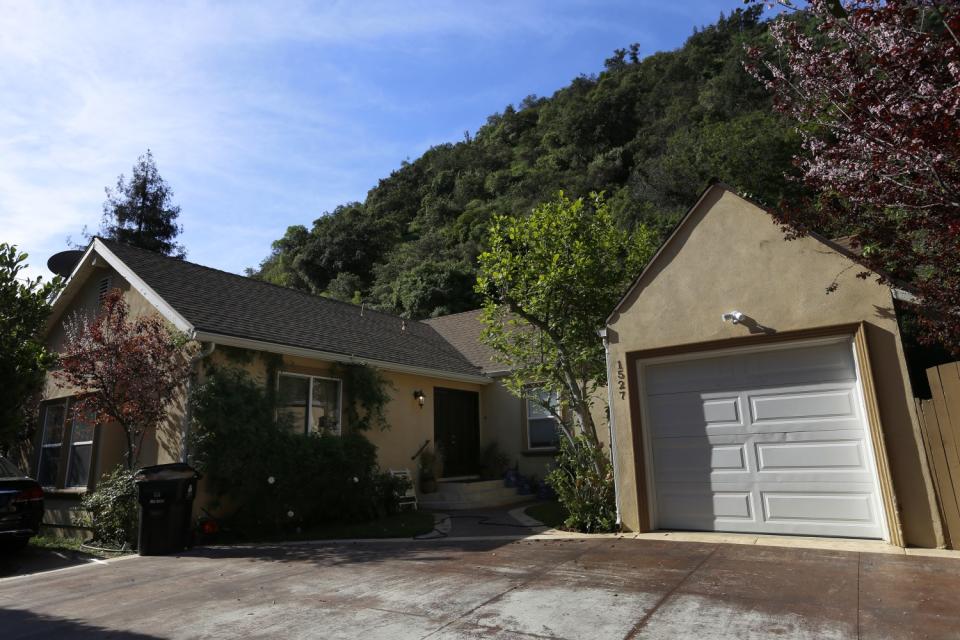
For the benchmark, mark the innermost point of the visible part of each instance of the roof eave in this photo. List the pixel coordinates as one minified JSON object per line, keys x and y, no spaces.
{"x":282,"y":349}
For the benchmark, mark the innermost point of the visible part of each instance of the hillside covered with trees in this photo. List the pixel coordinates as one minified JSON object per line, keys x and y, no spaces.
{"x":649,"y":133}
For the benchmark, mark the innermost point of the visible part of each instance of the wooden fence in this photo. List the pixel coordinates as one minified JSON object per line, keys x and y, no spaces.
{"x":940,"y":428}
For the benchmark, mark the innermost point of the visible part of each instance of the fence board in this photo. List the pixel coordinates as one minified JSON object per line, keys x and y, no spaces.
{"x":940,"y":429}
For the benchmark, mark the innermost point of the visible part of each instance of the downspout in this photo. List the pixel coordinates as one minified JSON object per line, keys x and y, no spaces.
{"x":188,"y":412}
{"x":610,"y":413}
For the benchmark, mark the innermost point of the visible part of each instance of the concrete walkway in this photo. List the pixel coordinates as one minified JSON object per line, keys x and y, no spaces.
{"x":574,"y":588}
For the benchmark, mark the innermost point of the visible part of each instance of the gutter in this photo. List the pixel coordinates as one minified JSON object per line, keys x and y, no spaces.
{"x":273,"y":347}
{"x":188,"y":412}
{"x":610,"y":422}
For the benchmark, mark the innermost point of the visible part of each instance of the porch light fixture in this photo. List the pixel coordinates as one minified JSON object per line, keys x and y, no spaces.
{"x":420,"y":397}
{"x":734,"y":316}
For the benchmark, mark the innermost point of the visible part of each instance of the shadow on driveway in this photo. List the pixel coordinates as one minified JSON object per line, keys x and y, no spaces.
{"x":17,"y":621}
{"x":32,"y":559}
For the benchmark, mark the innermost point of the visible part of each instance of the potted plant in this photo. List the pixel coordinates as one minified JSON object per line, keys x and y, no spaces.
{"x":428,"y":476}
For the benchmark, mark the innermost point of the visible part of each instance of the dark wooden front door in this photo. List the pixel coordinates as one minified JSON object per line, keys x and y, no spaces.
{"x":456,"y":430}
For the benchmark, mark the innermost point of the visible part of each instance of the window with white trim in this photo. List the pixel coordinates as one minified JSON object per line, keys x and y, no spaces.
{"x":312,"y":402}
{"x":543,"y":429}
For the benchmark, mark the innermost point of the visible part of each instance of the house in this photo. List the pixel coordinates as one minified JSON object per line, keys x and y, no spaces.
{"x":444,"y":385}
{"x":760,"y":386}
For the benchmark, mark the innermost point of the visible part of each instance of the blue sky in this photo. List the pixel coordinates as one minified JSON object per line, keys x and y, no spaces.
{"x":263,"y":115}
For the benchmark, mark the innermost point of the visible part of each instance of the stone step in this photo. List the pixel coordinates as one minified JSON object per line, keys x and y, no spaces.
{"x":471,"y":495}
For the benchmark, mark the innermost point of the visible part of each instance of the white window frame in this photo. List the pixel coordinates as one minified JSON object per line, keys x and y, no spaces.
{"x":70,"y":446}
{"x":311,"y":378}
{"x":529,"y":404}
{"x":45,"y":445}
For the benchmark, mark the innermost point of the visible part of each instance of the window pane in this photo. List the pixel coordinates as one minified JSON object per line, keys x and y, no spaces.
{"x":81,"y":448}
{"x":53,"y":423}
{"x":326,"y":405}
{"x":78,"y":471}
{"x":49,"y":466}
{"x":293,"y":395}
{"x":543,"y":433}
{"x":536,"y":407}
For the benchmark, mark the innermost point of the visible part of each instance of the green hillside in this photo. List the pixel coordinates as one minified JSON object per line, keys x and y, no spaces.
{"x":649,"y":133}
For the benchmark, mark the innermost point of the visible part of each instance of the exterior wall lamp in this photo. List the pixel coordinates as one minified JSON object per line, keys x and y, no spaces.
{"x":420,"y":397}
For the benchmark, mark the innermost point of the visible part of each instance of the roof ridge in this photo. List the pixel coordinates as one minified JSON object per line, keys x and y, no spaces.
{"x":450,"y":315}
{"x":312,"y":296}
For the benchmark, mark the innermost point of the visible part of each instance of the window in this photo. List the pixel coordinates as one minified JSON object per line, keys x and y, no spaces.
{"x":542,"y":428}
{"x":51,"y":443}
{"x":312,"y":402}
{"x":81,"y":450}
{"x":60,"y":430}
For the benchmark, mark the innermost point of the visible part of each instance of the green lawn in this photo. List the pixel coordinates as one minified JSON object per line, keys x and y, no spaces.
{"x":551,"y":513}
{"x":401,"y":525}
{"x":54,"y":543}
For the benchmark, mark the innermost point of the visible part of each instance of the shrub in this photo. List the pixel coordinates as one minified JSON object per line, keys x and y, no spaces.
{"x":582,"y":477}
{"x":493,"y":462}
{"x":278,"y":479}
{"x":114,"y":509}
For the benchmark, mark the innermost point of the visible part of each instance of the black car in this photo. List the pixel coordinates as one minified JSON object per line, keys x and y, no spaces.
{"x":21,"y":506}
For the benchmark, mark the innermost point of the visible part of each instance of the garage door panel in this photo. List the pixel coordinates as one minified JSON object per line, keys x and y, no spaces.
{"x":797,"y":365}
{"x":694,"y":414}
{"x":813,"y":508}
{"x":814,"y":405}
{"x":812,"y":455}
{"x":682,"y":506}
{"x":701,"y":460}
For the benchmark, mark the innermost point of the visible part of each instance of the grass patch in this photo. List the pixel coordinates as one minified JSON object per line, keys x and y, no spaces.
{"x":71,"y":545}
{"x":550,"y":513}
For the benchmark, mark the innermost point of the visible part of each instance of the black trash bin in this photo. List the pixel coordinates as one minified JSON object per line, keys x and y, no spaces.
{"x":165,"y":493}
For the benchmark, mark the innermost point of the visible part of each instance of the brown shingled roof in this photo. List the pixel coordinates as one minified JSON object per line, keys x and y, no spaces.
{"x":462,"y":330}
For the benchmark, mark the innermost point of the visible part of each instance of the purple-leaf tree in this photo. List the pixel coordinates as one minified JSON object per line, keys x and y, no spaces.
{"x":874,"y":86}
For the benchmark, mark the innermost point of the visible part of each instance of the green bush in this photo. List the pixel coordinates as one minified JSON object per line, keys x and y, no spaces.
{"x":114,"y":509}
{"x":582,"y":476}
{"x":276,"y":478}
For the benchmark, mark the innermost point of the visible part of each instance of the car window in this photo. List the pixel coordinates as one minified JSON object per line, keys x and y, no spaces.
{"x":8,"y":469}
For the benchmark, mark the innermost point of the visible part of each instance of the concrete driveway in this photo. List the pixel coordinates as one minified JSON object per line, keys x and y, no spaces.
{"x":586,"y":588}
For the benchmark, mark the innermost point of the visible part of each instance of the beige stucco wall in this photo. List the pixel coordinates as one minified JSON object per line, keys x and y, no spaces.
{"x":160,"y":446}
{"x":730,"y":255}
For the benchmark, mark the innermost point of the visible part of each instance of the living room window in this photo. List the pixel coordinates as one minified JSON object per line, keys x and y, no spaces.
{"x":312,"y":402}
{"x":542,"y":426}
{"x":81,"y":453}
{"x":51,"y":443}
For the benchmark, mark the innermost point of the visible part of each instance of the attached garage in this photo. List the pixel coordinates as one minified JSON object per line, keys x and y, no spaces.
{"x":770,"y":440}
{"x":759,"y":386}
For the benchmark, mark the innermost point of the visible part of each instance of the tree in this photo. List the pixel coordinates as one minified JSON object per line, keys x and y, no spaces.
{"x":875,"y":88}
{"x":125,"y":371}
{"x":140,"y":211}
{"x":24,"y":360}
{"x":548,"y":282}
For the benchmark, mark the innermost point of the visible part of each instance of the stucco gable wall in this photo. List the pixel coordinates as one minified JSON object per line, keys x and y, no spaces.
{"x":730,"y":255}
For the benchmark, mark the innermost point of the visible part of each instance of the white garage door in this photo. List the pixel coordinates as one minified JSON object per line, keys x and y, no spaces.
{"x":771,"y":441}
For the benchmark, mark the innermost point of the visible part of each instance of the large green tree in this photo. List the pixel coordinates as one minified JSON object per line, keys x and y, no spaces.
{"x":24,"y":360}
{"x":548,"y":281}
{"x":139,"y":211}
{"x":647,"y":131}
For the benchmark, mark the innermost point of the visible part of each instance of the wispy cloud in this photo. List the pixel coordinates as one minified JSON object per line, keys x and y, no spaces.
{"x":260,"y":114}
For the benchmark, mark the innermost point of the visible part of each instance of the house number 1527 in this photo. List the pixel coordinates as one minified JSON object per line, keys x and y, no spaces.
{"x":621,"y":380}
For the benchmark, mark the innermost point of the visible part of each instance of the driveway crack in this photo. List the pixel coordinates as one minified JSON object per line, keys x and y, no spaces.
{"x":649,"y":614}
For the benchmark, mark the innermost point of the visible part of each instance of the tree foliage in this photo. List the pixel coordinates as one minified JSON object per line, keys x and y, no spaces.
{"x":875,"y":88}
{"x":140,"y":211}
{"x":548,"y":282}
{"x":648,"y":132}
{"x":125,"y":370}
{"x":24,"y":360}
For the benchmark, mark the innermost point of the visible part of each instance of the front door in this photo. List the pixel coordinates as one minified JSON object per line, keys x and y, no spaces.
{"x":456,"y":430}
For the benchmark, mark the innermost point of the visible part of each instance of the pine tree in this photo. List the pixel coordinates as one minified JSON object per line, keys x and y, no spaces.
{"x":140,"y":211}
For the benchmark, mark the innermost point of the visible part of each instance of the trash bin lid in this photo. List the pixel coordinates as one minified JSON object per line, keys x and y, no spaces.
{"x":172,"y":471}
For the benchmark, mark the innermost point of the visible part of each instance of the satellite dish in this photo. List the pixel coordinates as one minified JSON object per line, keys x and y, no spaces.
{"x":64,"y":262}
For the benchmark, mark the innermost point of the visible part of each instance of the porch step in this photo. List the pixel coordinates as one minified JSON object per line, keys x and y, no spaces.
{"x":470,"y":495}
